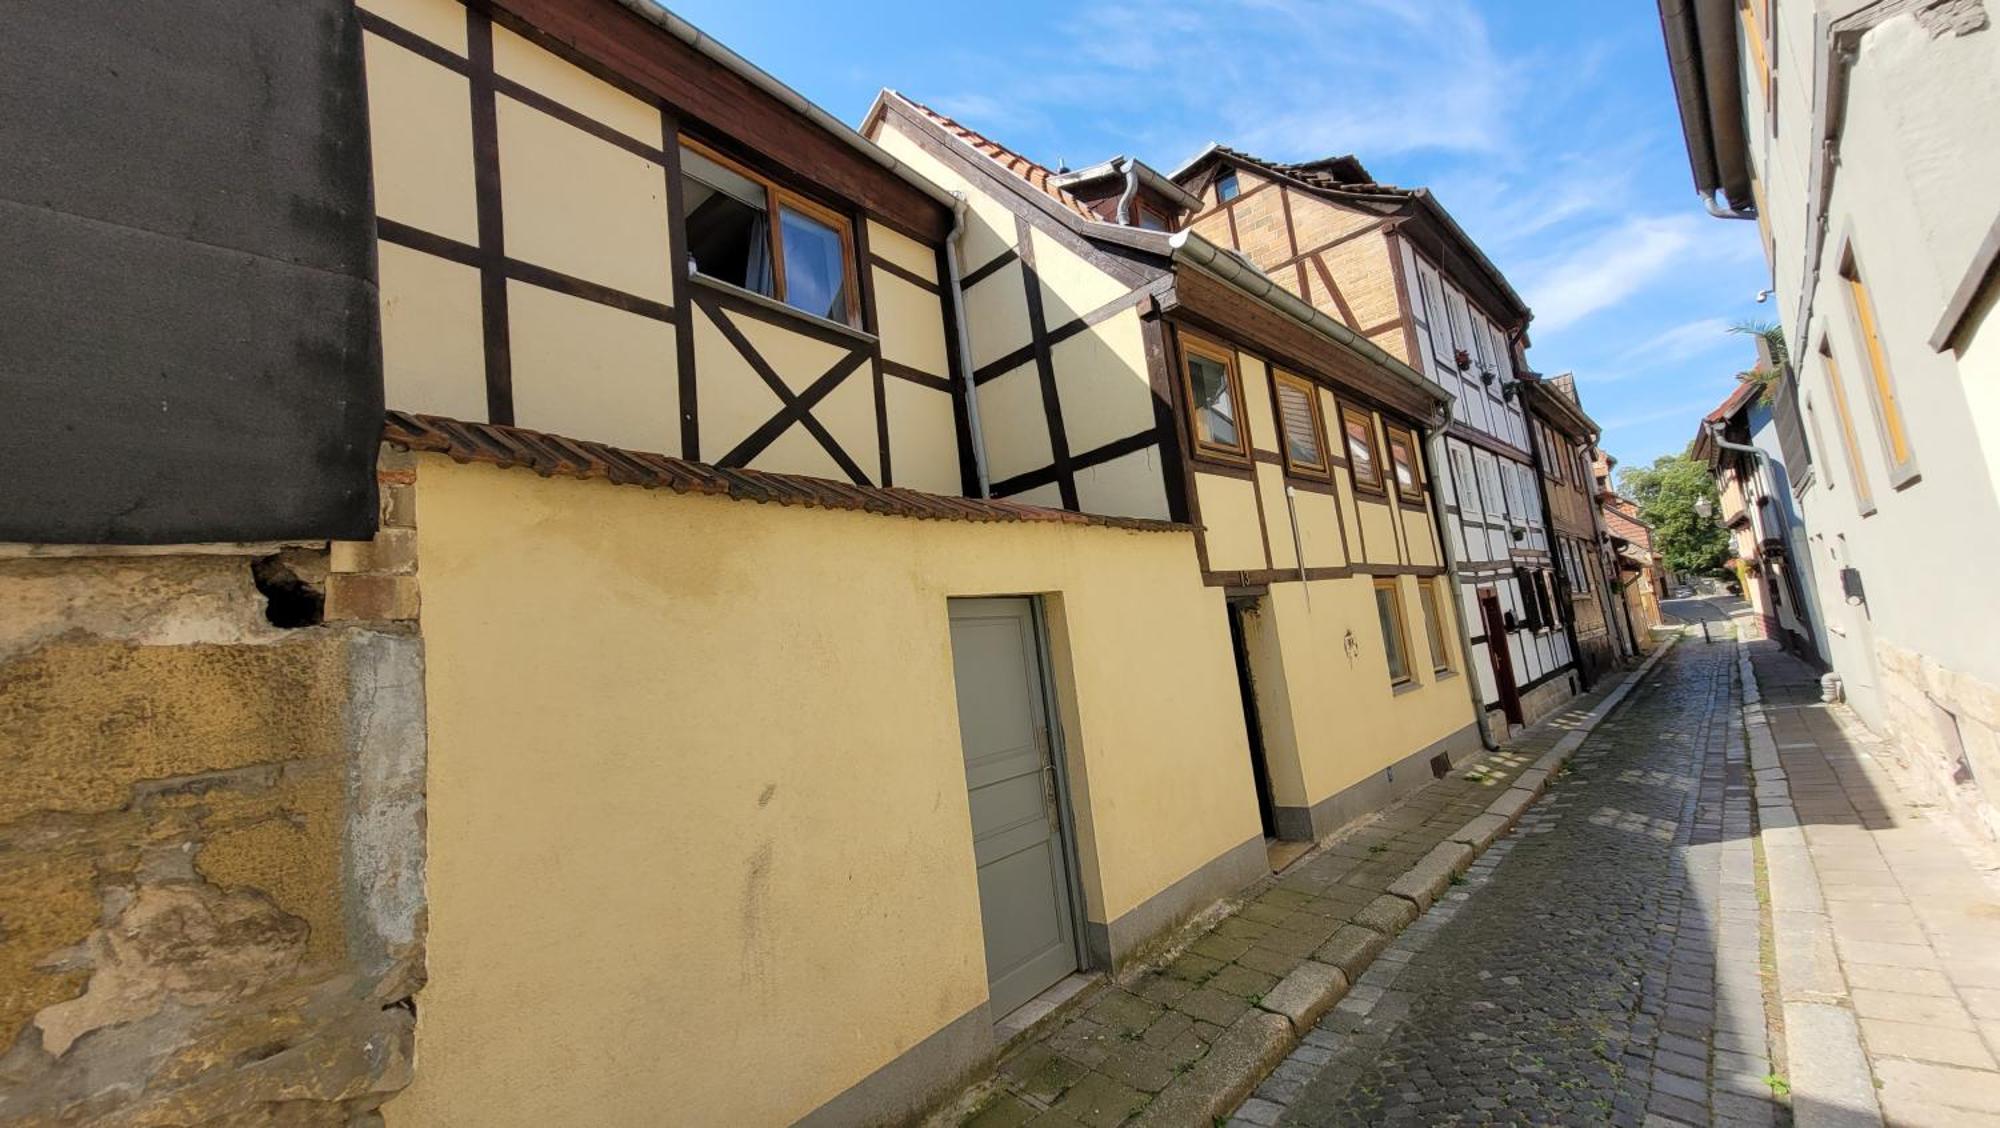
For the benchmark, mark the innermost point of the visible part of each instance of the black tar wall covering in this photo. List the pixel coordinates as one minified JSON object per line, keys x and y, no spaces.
{"x":189,"y":348}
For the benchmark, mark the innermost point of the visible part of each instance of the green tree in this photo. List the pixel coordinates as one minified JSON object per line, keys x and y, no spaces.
{"x":1667,"y":492}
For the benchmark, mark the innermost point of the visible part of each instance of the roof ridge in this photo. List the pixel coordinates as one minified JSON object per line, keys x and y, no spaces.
{"x":1022,"y":166}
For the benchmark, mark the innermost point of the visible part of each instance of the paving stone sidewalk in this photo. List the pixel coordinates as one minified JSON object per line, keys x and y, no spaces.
{"x":1183,"y":1042}
{"x":1600,"y":965}
{"x":1888,"y":938}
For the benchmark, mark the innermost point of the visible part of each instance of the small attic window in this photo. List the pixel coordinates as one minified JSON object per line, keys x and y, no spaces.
{"x":1151,"y":218}
{"x":1226,"y":188}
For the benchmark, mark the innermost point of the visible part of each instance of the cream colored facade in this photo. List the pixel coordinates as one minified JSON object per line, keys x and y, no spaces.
{"x":1298,"y":553}
{"x":689,"y":816}
{"x":1868,"y":136}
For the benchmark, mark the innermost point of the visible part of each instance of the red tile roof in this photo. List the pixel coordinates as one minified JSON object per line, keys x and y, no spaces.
{"x":552,"y":455}
{"x":1744,"y":393}
{"x":1621,"y":517}
{"x":1334,"y":174}
{"x":1037,"y":175}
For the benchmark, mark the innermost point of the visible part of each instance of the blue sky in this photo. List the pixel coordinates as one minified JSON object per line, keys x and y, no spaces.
{"x":1547,"y":128}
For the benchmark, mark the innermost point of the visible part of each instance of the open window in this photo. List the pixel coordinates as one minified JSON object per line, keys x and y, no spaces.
{"x":1434,"y":625}
{"x":1403,"y":463}
{"x":1358,"y":427}
{"x":1395,"y":635}
{"x":1299,"y":425}
{"x":745,"y":230}
{"x":1214,"y":395}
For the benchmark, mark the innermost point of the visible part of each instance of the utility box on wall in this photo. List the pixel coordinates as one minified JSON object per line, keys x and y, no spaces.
{"x":189,"y":348}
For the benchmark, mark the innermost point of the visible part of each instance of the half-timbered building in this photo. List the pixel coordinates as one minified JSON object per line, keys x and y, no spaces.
{"x":1391,"y":265}
{"x":1122,"y":369}
{"x":1585,"y":597}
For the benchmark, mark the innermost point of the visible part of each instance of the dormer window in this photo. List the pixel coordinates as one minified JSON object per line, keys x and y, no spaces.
{"x":746,"y":231}
{"x":1226,"y":188}
{"x":1151,"y":218}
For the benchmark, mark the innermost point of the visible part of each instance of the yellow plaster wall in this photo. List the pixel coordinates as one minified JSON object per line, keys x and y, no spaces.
{"x":420,"y":135}
{"x":1071,"y":287}
{"x":591,"y":372}
{"x":1378,"y":525}
{"x":529,"y":65}
{"x":1319,"y":528}
{"x":1277,"y":516}
{"x":1256,"y":410}
{"x":996,"y":315}
{"x":433,"y":339}
{"x":1101,"y":376}
{"x":1229,"y":518}
{"x":912,"y":324}
{"x":580,"y":205}
{"x":891,"y":244}
{"x":1348,"y":721}
{"x":440,"y":21}
{"x":923,"y":439}
{"x":1014,"y":423}
{"x":1131,"y":485}
{"x":1420,"y":537}
{"x":990,"y":229}
{"x":732,"y":400}
{"x":696,"y":798}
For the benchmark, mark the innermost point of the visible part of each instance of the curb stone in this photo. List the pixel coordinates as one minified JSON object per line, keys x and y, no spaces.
{"x":1831,"y":1082}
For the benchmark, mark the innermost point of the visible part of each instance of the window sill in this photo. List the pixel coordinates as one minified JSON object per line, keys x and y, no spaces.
{"x":780,"y":308}
{"x":1407,"y":685}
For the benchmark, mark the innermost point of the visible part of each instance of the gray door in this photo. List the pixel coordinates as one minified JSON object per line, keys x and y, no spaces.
{"x":1017,"y":840}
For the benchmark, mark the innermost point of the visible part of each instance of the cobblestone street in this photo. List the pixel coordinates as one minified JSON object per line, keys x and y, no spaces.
{"x":1601,"y":964}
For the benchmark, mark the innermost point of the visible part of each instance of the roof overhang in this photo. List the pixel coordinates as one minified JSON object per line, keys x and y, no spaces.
{"x":1701,"y":40}
{"x":1568,"y":415}
{"x":1214,"y":285}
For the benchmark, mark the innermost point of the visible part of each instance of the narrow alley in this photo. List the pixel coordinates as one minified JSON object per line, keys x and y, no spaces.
{"x":1599,"y":964}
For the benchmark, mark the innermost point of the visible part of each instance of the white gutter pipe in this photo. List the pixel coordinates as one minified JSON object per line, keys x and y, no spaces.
{"x":964,"y":342}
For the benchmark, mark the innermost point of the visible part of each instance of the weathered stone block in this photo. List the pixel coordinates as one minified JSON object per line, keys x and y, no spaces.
{"x":1510,"y":804}
{"x":1217,"y":1083}
{"x":1308,"y":992}
{"x":370,"y":598}
{"x":1352,"y":949}
{"x":1423,"y":882}
{"x":392,"y":550}
{"x":1480,"y":832}
{"x":1386,"y":914}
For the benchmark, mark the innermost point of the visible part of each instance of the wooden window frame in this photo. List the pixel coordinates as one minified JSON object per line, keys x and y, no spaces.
{"x":1324,"y":470}
{"x":1435,"y":635}
{"x":1892,"y":428}
{"x":1416,"y":491}
{"x":1228,"y":174}
{"x":1864,"y":494}
{"x":1395,"y":590}
{"x":1192,"y":345}
{"x":1141,"y":208}
{"x":778,"y":197}
{"x":1376,"y":482}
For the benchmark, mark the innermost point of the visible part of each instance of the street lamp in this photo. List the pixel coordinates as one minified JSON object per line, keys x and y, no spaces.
{"x":1704,"y":508}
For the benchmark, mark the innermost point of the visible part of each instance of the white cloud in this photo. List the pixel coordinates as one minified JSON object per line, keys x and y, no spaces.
{"x":1606,"y":268}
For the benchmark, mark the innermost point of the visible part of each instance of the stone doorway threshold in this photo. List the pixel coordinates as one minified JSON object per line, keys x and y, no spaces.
{"x":1282,"y":853}
{"x":1043,"y":1005}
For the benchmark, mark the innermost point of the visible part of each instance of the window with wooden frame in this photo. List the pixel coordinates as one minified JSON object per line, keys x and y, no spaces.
{"x":1434,"y":626}
{"x":746,"y":230}
{"x":1299,"y":424}
{"x":1226,"y":188}
{"x":1357,"y":428}
{"x":1395,"y":635}
{"x":1888,"y":410}
{"x":1403,"y":462}
{"x":1864,"y":497}
{"x":1214,"y":391}
{"x":1151,"y":218}
{"x":1464,"y":483}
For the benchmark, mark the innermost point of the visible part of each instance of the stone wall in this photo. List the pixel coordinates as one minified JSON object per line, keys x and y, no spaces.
{"x":211,"y":832}
{"x":1944,"y":731}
